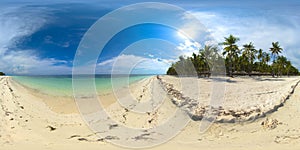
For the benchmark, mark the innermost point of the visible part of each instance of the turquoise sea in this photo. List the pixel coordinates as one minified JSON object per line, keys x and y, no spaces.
{"x":61,"y":85}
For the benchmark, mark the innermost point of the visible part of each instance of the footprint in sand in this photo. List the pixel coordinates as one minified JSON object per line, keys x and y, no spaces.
{"x":51,"y":128}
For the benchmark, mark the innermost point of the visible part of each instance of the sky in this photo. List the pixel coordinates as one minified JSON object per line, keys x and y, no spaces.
{"x":38,"y":38}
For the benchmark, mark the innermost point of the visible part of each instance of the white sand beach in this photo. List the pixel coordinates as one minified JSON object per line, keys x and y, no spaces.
{"x":256,"y":113}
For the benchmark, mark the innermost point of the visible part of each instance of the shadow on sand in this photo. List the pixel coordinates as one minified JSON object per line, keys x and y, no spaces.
{"x":267,"y":79}
{"x":222,"y":79}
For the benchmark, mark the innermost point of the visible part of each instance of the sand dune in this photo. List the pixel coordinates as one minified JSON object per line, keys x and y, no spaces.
{"x":31,"y":120}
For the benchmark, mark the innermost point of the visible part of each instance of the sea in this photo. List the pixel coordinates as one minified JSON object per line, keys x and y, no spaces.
{"x":61,"y":85}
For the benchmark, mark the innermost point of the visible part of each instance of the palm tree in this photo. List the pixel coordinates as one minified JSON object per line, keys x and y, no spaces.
{"x":275,"y":50}
{"x":210,"y":54}
{"x":209,"y":61}
{"x":281,"y":65}
{"x":200,"y":63}
{"x":267,"y":58}
{"x":209,"y":51}
{"x":171,"y":70}
{"x":231,"y":50}
{"x":265,"y":62}
{"x":288,"y":67}
{"x":260,"y":57}
{"x":250,"y":54}
{"x":243,"y":63}
{"x":184,"y":67}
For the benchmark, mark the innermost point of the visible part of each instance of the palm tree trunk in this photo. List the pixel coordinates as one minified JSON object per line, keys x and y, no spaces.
{"x":231,"y":69}
{"x":273,"y":67}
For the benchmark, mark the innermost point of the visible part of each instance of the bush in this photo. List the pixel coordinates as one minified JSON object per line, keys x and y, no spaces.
{"x":2,"y":74}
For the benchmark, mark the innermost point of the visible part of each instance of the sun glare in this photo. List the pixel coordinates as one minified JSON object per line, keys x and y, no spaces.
{"x":181,"y":35}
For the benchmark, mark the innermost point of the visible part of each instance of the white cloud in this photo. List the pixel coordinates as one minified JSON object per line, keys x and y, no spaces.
{"x":194,"y":33}
{"x":49,"y":40}
{"x":193,"y":28}
{"x":124,"y":64}
{"x":189,"y":47}
{"x":261,"y":29}
{"x":150,"y":55}
{"x":15,"y":24}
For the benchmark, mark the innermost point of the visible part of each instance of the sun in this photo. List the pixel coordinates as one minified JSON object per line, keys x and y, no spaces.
{"x":181,"y":35}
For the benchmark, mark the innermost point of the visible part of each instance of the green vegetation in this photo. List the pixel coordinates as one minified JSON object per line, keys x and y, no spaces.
{"x":231,"y":50}
{"x":2,"y":74}
{"x":246,"y":60}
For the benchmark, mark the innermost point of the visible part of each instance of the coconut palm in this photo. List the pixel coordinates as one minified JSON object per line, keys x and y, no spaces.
{"x":264,"y":62}
{"x":198,"y":62}
{"x":184,"y":67}
{"x":171,"y":70}
{"x":231,"y":50}
{"x":211,"y":56}
{"x":288,"y":67}
{"x":243,"y":63}
{"x":250,"y":54}
{"x":275,"y":51}
{"x":209,"y":51}
{"x":267,"y":58}
{"x":208,"y":60}
{"x":281,"y":64}
{"x":260,"y":57}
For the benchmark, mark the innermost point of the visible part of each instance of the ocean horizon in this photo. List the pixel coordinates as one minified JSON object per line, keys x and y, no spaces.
{"x":61,"y":85}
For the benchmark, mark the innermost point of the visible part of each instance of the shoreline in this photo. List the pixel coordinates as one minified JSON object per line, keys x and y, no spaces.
{"x":58,"y":103}
{"x":42,"y":127}
{"x":196,"y":111}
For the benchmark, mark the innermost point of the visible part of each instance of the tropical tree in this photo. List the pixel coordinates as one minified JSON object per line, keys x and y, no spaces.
{"x":265,"y":62}
{"x":198,"y":62}
{"x":2,"y":74}
{"x":250,"y":54}
{"x":211,"y":56}
{"x":267,"y":58}
{"x":209,"y":61}
{"x":260,"y":57}
{"x":275,"y":51}
{"x":171,"y":70}
{"x":292,"y":70}
{"x":231,"y":50}
{"x":185,"y":67}
{"x":288,"y":68}
{"x":281,"y":64}
{"x":242,"y":63}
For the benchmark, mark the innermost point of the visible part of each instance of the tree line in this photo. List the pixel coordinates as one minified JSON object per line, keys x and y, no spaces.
{"x":245,"y":60}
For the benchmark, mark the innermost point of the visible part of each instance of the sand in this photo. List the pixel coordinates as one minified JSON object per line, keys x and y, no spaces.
{"x":231,"y":100}
{"x":32,"y":120}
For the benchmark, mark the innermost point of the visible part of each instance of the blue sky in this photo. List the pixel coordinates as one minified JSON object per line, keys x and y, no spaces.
{"x":42,"y":37}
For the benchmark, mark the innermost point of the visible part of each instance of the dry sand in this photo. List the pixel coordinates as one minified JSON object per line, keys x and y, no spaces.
{"x":31,"y":120}
{"x":231,"y":100}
